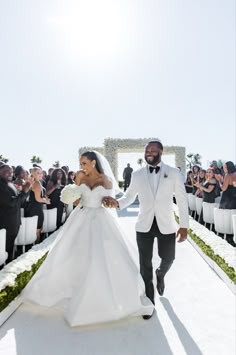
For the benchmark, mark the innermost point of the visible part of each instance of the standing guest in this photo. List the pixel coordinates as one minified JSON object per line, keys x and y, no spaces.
{"x":127,"y":176}
{"x":228,"y":198}
{"x":36,"y":200}
{"x":66,"y":169}
{"x":155,"y":185}
{"x":215,"y":168}
{"x":10,"y":205}
{"x":19,"y":175}
{"x":188,"y":183}
{"x":201,"y":180}
{"x":71,"y":177}
{"x":48,"y":177}
{"x":208,"y":188}
{"x":53,"y":191}
{"x":196,"y":170}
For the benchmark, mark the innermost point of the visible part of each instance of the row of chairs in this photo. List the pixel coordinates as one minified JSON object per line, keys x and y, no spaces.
{"x":27,"y":232}
{"x":224,"y":220}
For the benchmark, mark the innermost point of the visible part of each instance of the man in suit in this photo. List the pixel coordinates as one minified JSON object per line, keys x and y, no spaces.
{"x":155,"y":186}
{"x":10,"y":205}
{"x":127,"y":176}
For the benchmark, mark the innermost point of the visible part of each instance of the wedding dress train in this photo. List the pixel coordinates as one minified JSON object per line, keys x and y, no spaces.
{"x":90,"y":271}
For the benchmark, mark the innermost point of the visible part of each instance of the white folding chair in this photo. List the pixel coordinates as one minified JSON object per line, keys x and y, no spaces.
{"x":27,"y":233}
{"x":3,"y":252}
{"x":223,"y":221}
{"x":50,"y":221}
{"x":192,"y":204}
{"x":198,"y":201}
{"x":208,"y":212}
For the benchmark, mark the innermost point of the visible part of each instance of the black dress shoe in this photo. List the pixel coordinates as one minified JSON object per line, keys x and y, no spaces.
{"x":147,"y":316}
{"x":160,"y":284}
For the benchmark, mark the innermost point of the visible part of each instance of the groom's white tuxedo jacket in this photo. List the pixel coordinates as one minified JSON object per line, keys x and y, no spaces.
{"x":159,"y":204}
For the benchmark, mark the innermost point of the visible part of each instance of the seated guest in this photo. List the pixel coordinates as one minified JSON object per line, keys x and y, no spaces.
{"x":10,"y":205}
{"x":228,"y":198}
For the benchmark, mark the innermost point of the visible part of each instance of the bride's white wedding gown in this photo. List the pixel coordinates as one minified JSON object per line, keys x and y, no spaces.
{"x":90,"y":271}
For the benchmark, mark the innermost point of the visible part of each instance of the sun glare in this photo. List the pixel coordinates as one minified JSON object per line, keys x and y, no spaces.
{"x":95,"y":30}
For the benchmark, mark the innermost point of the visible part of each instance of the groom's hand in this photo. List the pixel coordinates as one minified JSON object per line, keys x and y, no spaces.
{"x":110,"y":202}
{"x":181,"y":234}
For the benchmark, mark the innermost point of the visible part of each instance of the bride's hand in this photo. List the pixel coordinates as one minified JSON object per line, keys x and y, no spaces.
{"x":110,"y":202}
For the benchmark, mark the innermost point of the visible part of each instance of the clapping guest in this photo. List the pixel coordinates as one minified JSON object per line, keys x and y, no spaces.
{"x":53,"y":191}
{"x":10,"y":205}
{"x":36,"y":200}
{"x":19,"y":175}
{"x":208,"y":187}
{"x":188,"y":183}
{"x":201,"y":180}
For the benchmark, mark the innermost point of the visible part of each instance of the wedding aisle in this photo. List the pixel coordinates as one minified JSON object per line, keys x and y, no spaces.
{"x":196,"y":316}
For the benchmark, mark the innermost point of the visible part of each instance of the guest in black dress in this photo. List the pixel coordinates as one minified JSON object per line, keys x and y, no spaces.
{"x":228,"y":198}
{"x":53,"y":191}
{"x":10,"y":205}
{"x":71,"y":177}
{"x":36,"y":200}
{"x":188,"y":182}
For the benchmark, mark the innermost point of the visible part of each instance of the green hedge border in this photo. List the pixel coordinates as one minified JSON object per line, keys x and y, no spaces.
{"x":8,"y":294}
{"x":228,"y":270}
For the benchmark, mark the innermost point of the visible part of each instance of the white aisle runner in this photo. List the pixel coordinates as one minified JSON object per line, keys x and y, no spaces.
{"x":196,"y":316}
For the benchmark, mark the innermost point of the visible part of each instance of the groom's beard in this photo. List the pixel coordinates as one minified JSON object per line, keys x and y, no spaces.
{"x":154,"y":160}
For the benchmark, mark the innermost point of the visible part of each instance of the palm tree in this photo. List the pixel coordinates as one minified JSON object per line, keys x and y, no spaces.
{"x":35,"y":159}
{"x":2,"y":158}
{"x":56,"y":164}
{"x":193,"y":159}
{"x":140,"y":161}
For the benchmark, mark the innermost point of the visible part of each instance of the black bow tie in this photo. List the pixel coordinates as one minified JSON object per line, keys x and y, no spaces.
{"x":151,"y":168}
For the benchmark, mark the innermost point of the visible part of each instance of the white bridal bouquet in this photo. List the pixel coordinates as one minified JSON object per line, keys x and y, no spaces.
{"x":70,"y":194}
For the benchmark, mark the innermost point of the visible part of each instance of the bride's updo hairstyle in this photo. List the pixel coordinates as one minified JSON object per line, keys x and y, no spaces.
{"x":90,"y":155}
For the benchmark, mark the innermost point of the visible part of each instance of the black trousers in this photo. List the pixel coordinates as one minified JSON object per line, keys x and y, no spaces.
{"x":166,"y":251}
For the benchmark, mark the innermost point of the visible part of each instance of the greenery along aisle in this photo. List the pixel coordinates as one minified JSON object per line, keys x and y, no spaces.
{"x":15,"y":275}
{"x":216,"y":248}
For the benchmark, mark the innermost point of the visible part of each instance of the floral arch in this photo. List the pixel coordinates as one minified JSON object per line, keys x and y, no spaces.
{"x":113,"y":146}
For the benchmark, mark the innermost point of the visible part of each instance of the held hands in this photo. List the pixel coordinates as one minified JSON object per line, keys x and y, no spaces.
{"x":46,"y":200}
{"x":181,"y":235}
{"x":110,"y":202}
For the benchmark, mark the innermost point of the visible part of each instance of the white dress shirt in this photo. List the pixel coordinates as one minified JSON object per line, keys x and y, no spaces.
{"x":154,"y":178}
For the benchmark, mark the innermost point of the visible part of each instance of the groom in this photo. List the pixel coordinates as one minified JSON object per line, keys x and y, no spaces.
{"x":155,"y":186}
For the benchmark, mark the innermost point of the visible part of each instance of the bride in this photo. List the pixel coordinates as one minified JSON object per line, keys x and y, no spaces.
{"x":90,"y":271}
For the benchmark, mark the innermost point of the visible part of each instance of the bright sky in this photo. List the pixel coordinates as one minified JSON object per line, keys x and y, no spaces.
{"x":73,"y":73}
